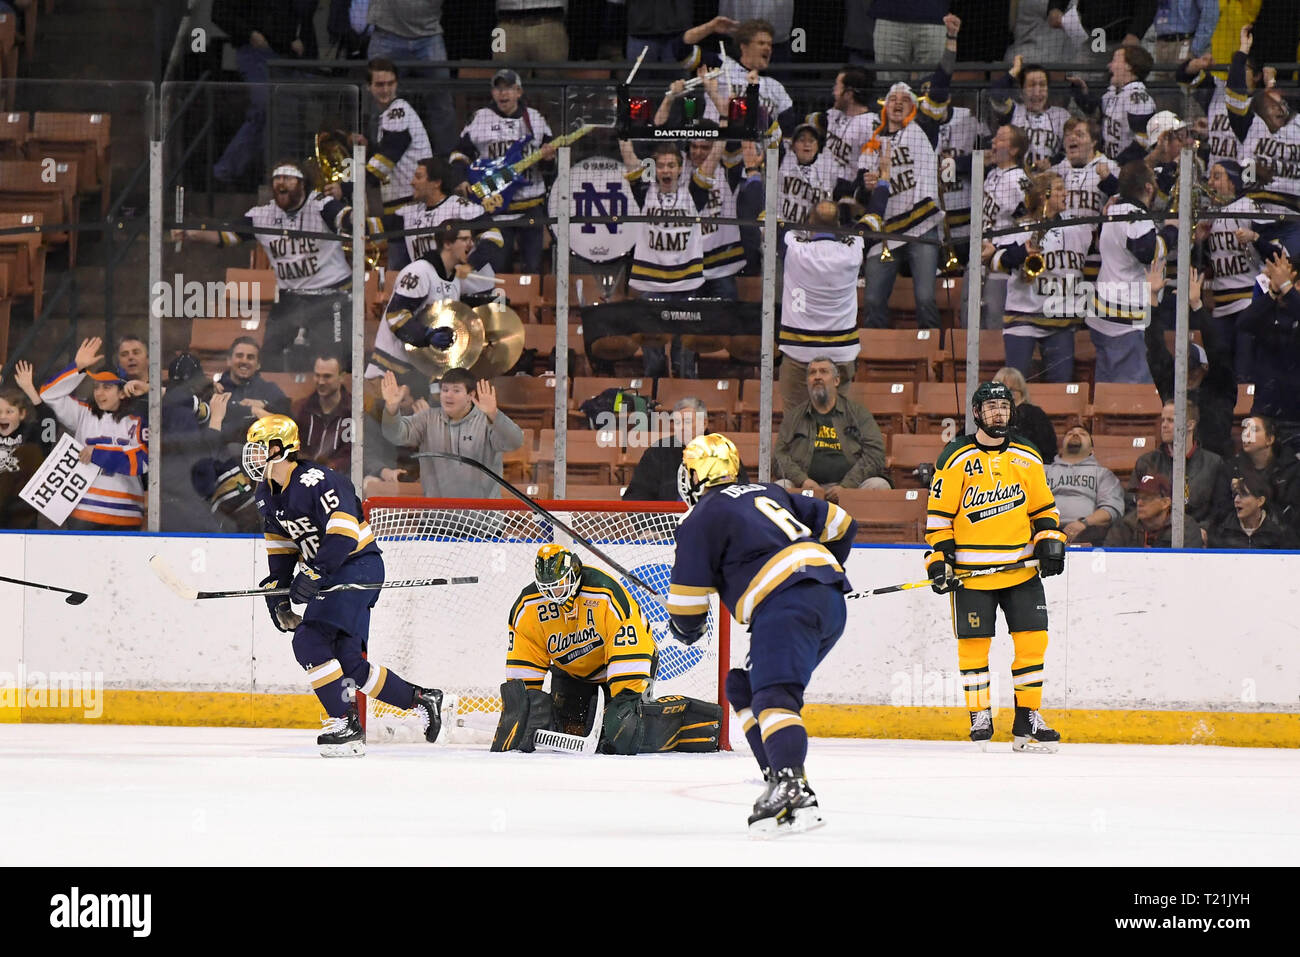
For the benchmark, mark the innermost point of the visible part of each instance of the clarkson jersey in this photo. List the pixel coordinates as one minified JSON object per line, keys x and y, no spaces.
{"x":987,"y":505}
{"x":603,"y":638}
{"x":748,"y":542}
{"x":314,"y":517}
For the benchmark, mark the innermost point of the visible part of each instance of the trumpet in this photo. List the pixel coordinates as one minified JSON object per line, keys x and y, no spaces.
{"x":693,"y":82}
{"x":1034,"y":264}
{"x":333,"y":162}
{"x":885,"y":255}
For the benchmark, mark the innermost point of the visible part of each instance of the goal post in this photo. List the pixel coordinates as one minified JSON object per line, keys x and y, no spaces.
{"x":458,"y":642}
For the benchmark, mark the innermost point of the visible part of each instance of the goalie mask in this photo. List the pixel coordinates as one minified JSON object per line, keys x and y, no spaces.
{"x":707,"y":460}
{"x":558,"y":574}
{"x":985,"y":419}
{"x":278,"y":429}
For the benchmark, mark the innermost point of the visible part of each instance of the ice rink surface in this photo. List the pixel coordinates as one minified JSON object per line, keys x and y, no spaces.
{"x":114,"y":795}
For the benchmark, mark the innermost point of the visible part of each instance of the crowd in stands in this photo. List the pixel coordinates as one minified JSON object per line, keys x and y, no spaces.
{"x":874,"y":179}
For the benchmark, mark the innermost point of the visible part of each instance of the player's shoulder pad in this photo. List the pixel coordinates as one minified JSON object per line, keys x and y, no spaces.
{"x":415,"y":279}
{"x":310,"y":474}
{"x":952,"y":449}
{"x":597,"y":581}
{"x":1022,"y":444}
{"x":528,"y":592}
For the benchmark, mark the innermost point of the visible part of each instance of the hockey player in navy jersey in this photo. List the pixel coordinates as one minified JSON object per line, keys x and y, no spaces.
{"x":777,"y":561}
{"x":312,"y":517}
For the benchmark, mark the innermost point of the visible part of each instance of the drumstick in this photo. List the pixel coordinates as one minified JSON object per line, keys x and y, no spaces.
{"x":636,"y":66}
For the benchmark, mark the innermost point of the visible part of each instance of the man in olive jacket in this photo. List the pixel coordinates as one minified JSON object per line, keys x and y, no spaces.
{"x":830,"y":442}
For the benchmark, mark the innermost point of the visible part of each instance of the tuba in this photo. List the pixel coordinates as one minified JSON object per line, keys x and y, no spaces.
{"x":333,"y":162}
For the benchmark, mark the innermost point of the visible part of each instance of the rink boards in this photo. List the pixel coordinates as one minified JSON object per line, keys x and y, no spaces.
{"x":1146,"y":647}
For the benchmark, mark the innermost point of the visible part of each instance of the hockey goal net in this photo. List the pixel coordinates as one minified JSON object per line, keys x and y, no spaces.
{"x":453,"y":637}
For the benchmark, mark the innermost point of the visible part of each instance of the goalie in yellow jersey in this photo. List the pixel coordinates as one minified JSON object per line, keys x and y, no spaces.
{"x":990,"y":506}
{"x":583,"y":628}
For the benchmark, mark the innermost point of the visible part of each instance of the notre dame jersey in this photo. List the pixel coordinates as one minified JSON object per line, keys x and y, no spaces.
{"x":603,"y":638}
{"x":989,"y":504}
{"x":315,"y":517}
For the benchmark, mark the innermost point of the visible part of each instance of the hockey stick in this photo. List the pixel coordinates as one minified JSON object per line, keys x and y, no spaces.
{"x":572,"y":743}
{"x":188,"y":592}
{"x":465,"y":460}
{"x":74,"y":597}
{"x":1028,"y":563}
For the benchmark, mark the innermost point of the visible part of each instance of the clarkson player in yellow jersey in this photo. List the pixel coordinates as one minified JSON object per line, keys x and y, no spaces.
{"x":990,"y":506}
{"x":581,"y":627}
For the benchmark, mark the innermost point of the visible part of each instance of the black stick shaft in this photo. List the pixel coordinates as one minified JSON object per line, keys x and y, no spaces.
{"x":74,"y":597}
{"x":345,"y":586}
{"x":465,"y":460}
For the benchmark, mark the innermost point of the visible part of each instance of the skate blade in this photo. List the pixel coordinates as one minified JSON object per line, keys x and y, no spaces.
{"x":805,"y":819}
{"x":1026,"y":745}
{"x":350,"y":749}
{"x":981,"y":746}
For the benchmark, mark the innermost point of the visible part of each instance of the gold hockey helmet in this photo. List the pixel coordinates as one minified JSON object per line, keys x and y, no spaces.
{"x":279,"y":429}
{"x":558,"y":573}
{"x":707,"y":460}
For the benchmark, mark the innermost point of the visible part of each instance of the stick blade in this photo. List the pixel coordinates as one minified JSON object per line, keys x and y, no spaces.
{"x":172,"y":580}
{"x":76,"y":598}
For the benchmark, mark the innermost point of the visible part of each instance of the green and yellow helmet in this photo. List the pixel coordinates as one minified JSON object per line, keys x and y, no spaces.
{"x":558,"y":574}
{"x":707,"y":460}
{"x":281,"y":430}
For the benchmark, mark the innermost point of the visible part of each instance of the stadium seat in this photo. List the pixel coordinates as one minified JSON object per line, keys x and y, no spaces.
{"x":83,"y":138}
{"x":896,"y":355}
{"x":260,"y":285}
{"x":749,"y":288}
{"x":887,"y":516}
{"x":720,"y":395}
{"x":890,"y":403}
{"x":1064,"y":402}
{"x":517,"y":466}
{"x":586,"y":387}
{"x":24,"y":253}
{"x":296,"y":385}
{"x":993,"y":355}
{"x":6,"y":305}
{"x":1124,"y":409}
{"x":210,"y":339}
{"x":906,"y":452}
{"x":377,"y":488}
{"x":24,"y":188}
{"x":749,"y":402}
{"x":8,"y":56}
{"x":1120,"y":453}
{"x":939,"y":405}
{"x":523,"y":291}
{"x":585,"y":461}
{"x":530,"y":402}
{"x":593,"y":493}
{"x":13,"y":135}
{"x":1085,"y":358}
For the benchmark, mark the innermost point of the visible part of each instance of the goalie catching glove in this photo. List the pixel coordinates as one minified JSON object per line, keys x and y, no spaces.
{"x":282,"y":616}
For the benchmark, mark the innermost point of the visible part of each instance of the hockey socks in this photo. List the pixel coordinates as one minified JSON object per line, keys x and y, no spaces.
{"x":1027,"y":668}
{"x":740,"y":696}
{"x":973,"y":660}
{"x":785,"y":740}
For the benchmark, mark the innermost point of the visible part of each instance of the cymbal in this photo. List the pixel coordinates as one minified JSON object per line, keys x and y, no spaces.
{"x":503,"y":333}
{"x":465,"y":347}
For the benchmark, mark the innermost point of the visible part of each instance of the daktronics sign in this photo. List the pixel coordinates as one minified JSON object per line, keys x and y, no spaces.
{"x":598,"y":187}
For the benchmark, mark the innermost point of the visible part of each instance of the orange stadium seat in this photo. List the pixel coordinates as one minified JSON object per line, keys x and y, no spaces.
{"x":1064,"y":402}
{"x":895,"y":355}
{"x":83,"y":138}
{"x":24,"y":253}
{"x":939,"y":405}
{"x":719,"y":395}
{"x":530,"y":402}
{"x":518,"y":466}
{"x":1124,"y":409}
{"x":993,"y":355}
{"x":749,"y":403}
{"x":906,"y":452}
{"x":296,"y":385}
{"x":13,"y":135}
{"x":585,"y":461}
{"x":887,"y":516}
{"x":593,"y":493}
{"x":1120,"y":453}
{"x":523,"y":291}
{"x":24,"y":188}
{"x":890,"y":403}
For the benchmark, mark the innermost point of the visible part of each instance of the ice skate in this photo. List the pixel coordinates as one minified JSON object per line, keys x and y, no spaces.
{"x":787,"y":806}
{"x":981,"y":728}
{"x":343,"y":737}
{"x":428,"y":706}
{"x":1030,"y":733}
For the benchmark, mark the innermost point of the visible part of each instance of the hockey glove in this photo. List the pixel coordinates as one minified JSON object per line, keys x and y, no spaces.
{"x":943,"y":577}
{"x":687,"y":636}
{"x":282,"y":616}
{"x":441,"y":337}
{"x":1049,"y":549}
{"x":306,"y":585}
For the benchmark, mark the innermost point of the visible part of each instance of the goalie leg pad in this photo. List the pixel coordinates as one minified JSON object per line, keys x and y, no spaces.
{"x":671,"y":723}
{"x":571,"y":702}
{"x":524,"y":711}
